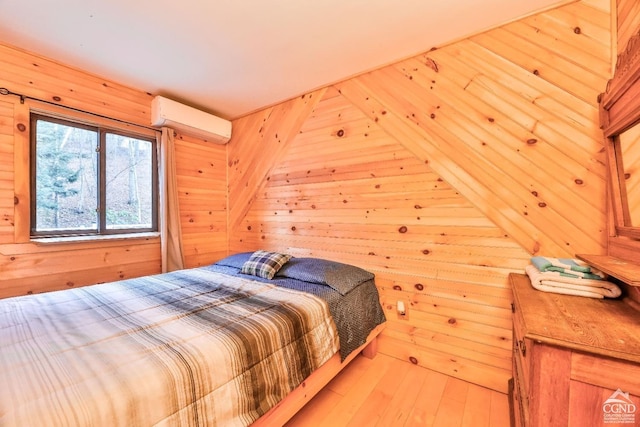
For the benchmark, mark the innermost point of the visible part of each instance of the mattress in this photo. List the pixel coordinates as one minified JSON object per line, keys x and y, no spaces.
{"x":204,"y":346}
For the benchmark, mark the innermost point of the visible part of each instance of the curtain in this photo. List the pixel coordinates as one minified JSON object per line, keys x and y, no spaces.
{"x":170,"y":231}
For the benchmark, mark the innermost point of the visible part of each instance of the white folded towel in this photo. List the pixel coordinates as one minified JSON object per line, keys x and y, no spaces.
{"x":552,"y":281}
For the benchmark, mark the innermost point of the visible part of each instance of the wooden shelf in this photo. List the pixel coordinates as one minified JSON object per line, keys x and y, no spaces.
{"x":626,"y":271}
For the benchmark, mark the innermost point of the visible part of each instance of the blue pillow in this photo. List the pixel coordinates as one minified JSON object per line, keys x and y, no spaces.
{"x":235,"y":260}
{"x":339,"y":276}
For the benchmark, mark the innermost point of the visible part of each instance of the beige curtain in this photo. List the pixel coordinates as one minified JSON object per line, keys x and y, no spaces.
{"x":170,"y":231}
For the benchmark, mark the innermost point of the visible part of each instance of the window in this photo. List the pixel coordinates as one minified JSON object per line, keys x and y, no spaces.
{"x":89,"y":180}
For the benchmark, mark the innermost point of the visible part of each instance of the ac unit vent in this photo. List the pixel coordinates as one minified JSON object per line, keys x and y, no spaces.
{"x":189,"y":120}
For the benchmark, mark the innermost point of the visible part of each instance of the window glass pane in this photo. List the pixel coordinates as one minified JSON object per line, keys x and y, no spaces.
{"x":129,"y":182}
{"x":66,"y":167}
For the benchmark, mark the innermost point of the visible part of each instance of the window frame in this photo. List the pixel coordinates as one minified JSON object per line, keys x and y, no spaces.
{"x":102,"y":132}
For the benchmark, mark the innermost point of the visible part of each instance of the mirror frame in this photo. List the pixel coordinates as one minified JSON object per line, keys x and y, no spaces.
{"x":619,"y":111}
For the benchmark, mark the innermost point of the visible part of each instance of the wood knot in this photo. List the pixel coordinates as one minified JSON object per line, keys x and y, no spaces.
{"x":535,"y":193}
{"x":426,"y":251}
{"x":397,"y":287}
{"x":340,"y":133}
{"x":536,"y":72}
{"x":249,"y":227}
{"x":293,"y":228}
{"x":21,"y":127}
{"x":579,"y":181}
{"x":542,"y":204}
{"x":627,"y":175}
{"x":413,"y":360}
{"x":531,"y":141}
{"x":577,"y":30}
{"x":403,"y":229}
{"x":431,"y":64}
{"x":452,"y":321}
{"x":433,"y":116}
{"x":419,"y":286}
{"x":57,"y":98}
{"x":371,"y":254}
{"x":491,"y":119}
{"x":417,"y":207}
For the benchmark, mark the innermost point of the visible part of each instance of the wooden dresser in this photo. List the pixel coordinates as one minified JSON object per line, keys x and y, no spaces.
{"x":570,"y":355}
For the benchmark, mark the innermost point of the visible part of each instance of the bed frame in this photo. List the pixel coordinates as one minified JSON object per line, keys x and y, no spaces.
{"x":290,"y":405}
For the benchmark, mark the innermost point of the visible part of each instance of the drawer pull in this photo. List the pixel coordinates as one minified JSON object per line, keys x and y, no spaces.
{"x":523,"y":348}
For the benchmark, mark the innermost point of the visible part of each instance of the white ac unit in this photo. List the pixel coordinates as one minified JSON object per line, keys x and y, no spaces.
{"x":189,"y":120}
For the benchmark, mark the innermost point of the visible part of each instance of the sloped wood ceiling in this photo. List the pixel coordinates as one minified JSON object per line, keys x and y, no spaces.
{"x":266,"y":134}
{"x":441,"y":174}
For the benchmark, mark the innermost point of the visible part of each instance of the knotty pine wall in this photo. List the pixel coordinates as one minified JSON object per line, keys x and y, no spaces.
{"x":27,"y":267}
{"x":441,"y":174}
{"x":628,"y":21}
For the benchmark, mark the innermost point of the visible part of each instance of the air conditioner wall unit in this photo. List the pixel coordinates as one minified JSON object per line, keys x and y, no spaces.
{"x":189,"y":120}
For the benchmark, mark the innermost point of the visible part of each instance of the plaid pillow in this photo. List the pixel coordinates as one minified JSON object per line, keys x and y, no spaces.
{"x":264,"y":264}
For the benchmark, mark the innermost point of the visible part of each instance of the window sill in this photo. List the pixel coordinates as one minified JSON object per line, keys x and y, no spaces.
{"x":93,"y":238}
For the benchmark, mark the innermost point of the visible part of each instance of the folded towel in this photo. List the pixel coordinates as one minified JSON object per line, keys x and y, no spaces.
{"x":567,"y":267}
{"x":553,"y":281}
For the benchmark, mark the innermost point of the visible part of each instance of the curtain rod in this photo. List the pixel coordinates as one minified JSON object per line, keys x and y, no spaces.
{"x":5,"y":91}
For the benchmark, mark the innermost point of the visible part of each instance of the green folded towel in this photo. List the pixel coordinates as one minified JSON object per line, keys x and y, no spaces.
{"x":567,"y":267}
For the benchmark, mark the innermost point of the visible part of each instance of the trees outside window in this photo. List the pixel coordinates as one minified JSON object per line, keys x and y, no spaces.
{"x":90,"y":180}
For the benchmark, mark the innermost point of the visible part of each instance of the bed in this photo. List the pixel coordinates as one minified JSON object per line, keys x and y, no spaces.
{"x":246,"y":340}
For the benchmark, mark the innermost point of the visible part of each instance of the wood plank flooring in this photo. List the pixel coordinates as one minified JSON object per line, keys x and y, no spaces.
{"x":387,"y":392}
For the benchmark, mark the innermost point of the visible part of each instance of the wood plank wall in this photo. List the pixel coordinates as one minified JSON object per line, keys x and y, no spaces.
{"x":26,"y":267}
{"x":202,"y":184}
{"x":441,"y":174}
{"x":628,"y":21}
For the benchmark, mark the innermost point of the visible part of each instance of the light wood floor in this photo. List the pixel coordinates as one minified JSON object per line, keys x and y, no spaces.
{"x":387,"y":392}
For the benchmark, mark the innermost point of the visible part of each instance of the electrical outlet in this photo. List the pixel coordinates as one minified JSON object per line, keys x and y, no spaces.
{"x":402,"y":309}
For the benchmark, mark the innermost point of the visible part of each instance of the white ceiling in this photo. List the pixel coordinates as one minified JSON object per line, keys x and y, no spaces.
{"x":232,"y":57}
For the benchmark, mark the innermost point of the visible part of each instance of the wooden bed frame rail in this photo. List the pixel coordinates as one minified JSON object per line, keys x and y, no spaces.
{"x":290,"y":405}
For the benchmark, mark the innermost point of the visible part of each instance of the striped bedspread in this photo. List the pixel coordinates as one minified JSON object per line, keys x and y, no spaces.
{"x":193,"y":347}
